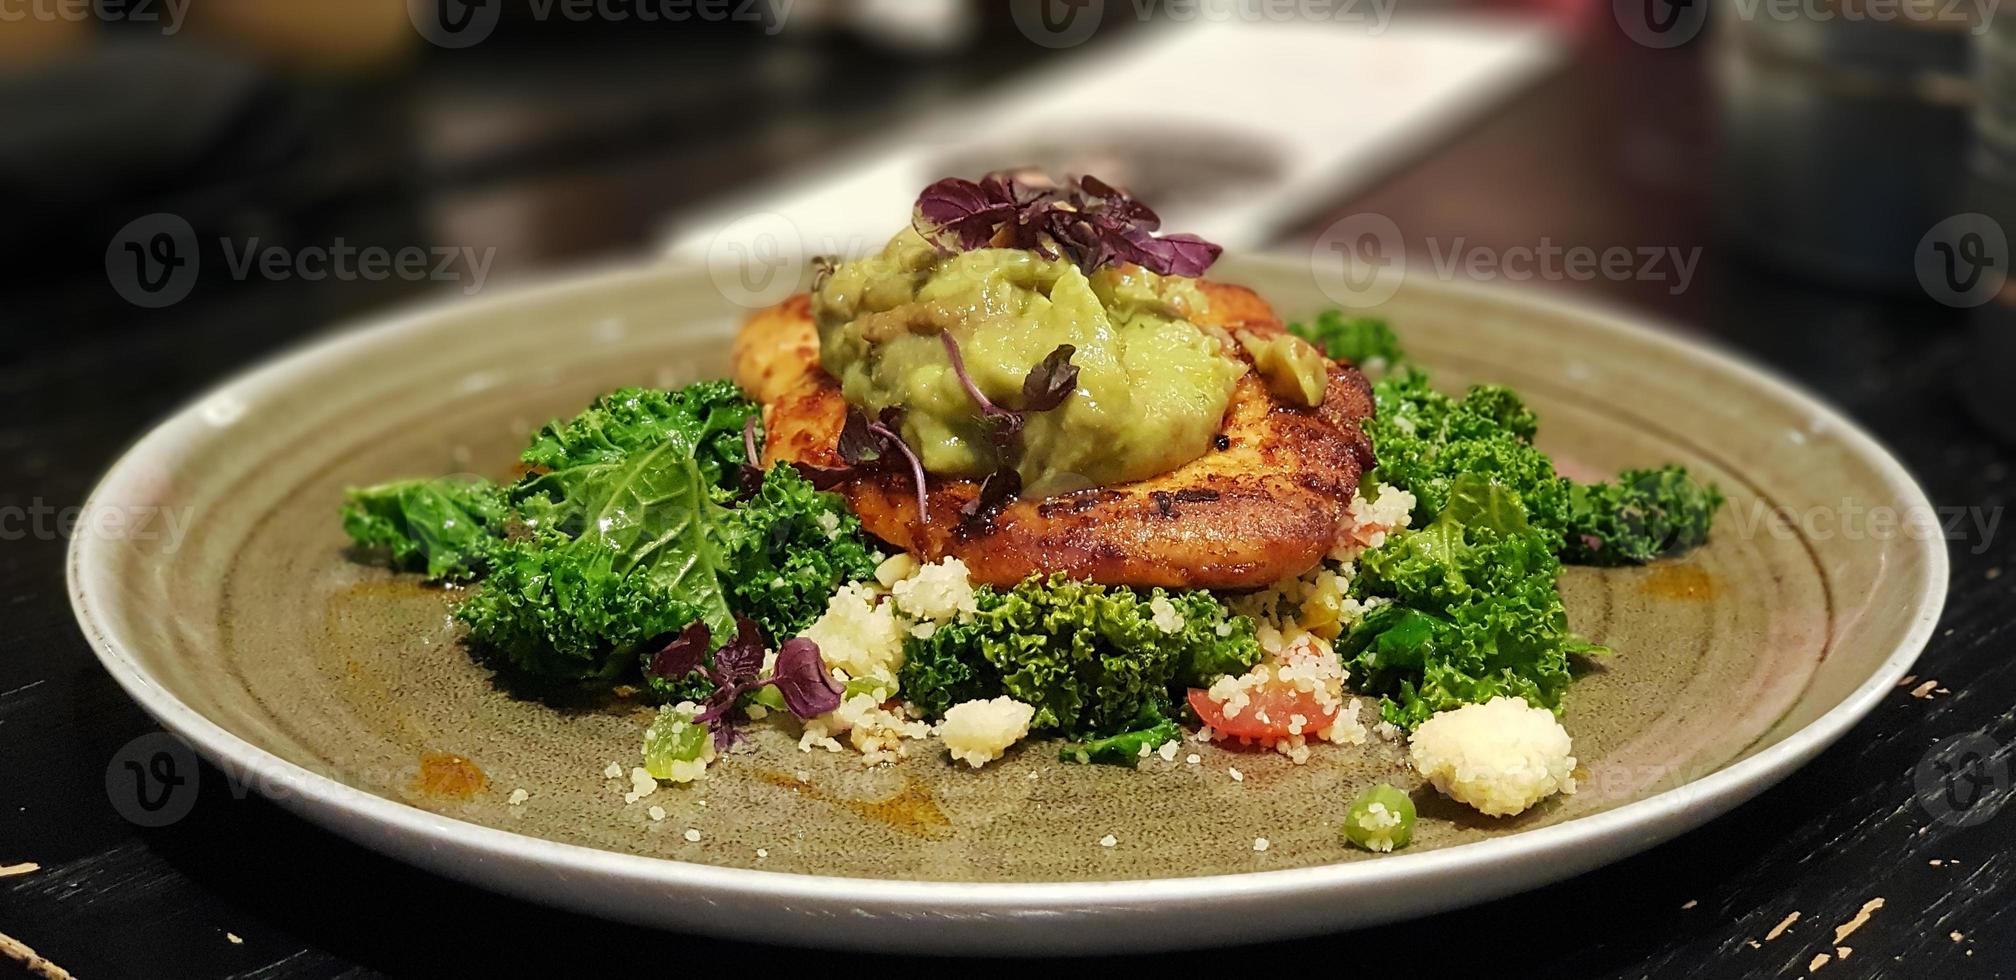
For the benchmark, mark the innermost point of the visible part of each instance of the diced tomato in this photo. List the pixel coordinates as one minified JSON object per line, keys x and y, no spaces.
{"x":1279,"y":701}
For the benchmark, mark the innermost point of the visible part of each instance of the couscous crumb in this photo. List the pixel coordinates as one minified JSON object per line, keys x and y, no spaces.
{"x":692,"y":836}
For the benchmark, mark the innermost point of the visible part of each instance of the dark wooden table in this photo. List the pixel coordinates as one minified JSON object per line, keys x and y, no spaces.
{"x":1613,"y":151}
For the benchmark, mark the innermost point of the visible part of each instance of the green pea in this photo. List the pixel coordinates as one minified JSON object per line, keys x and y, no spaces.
{"x":1380,"y":819}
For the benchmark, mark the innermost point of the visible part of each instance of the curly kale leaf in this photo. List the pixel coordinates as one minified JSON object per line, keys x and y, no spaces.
{"x":1641,"y":516}
{"x":445,"y":527}
{"x":1126,"y":748}
{"x":1471,"y":611}
{"x":627,"y":536}
{"x":789,"y":547}
{"x":1426,"y":441}
{"x":571,"y":609}
{"x":1092,"y":659}
{"x":1361,"y":340}
{"x":703,"y":419}
{"x":638,"y":486}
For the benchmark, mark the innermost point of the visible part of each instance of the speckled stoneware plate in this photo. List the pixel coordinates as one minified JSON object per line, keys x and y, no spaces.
{"x":341,"y":689}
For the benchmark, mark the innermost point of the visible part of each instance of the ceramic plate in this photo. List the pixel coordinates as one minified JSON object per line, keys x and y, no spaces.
{"x":342,"y":691}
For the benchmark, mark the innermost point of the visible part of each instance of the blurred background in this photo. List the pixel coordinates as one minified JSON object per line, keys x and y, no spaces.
{"x":1806,"y":143}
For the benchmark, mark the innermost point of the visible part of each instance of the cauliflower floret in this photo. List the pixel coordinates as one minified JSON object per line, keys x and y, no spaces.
{"x":859,"y":635}
{"x":939,"y":592}
{"x":978,"y":732}
{"x":1501,"y":756}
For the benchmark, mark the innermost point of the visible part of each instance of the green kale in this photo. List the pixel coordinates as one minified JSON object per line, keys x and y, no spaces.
{"x":1471,"y":611}
{"x":1125,"y":749}
{"x":445,"y":527}
{"x":1642,"y":516}
{"x":789,"y":547}
{"x":1425,"y":441}
{"x":638,"y":535}
{"x":571,"y":609}
{"x":1090,"y":658}
{"x":705,"y":419}
{"x":1361,"y":340}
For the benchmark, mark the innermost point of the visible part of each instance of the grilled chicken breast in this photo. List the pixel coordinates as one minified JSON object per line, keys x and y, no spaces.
{"x":1267,"y":504}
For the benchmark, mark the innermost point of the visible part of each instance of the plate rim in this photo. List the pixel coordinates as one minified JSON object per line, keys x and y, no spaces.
{"x":1617,"y":832}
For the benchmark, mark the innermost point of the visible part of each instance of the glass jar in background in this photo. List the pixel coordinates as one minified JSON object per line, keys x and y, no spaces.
{"x":1844,"y":133}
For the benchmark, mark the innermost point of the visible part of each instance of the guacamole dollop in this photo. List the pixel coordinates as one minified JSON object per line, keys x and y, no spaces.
{"x":1152,"y":387}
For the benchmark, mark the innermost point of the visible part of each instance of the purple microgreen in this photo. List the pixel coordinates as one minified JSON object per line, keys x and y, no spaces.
{"x":1000,"y":487}
{"x":749,"y":477}
{"x":959,"y":215}
{"x":822,"y":270}
{"x":1005,"y":421}
{"x":1175,"y":255}
{"x":858,"y":445}
{"x":1092,"y":222}
{"x":739,"y":660}
{"x":686,"y":653}
{"x":1050,"y":382}
{"x":734,"y":671}
{"x":916,"y":467}
{"x":800,"y":675}
{"x":823,"y":477}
